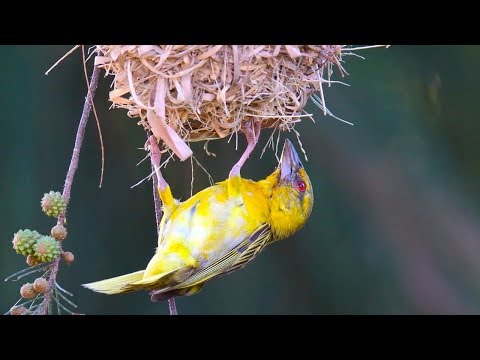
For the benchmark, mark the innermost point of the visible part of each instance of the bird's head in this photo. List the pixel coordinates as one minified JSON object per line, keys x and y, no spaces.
{"x":291,"y":199}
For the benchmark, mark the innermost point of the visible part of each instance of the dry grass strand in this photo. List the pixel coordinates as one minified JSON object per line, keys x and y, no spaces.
{"x":186,"y":93}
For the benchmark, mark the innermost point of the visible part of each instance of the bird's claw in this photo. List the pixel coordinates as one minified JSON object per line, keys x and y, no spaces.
{"x":251,"y":128}
{"x":155,"y":152}
{"x":155,"y":156}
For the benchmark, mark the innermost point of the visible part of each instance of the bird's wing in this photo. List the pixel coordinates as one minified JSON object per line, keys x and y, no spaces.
{"x":238,"y":257}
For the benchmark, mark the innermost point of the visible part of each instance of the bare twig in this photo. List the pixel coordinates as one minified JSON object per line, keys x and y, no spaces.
{"x":102,"y":148}
{"x":87,"y":107}
{"x":43,"y":308}
{"x":172,"y":306}
{"x":158,"y":216}
{"x":62,"y":58}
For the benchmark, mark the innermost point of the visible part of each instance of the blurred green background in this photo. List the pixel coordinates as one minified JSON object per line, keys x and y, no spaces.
{"x":394,"y":228}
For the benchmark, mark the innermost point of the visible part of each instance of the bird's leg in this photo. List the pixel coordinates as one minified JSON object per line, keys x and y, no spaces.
{"x":155,"y":156}
{"x":251,"y":129}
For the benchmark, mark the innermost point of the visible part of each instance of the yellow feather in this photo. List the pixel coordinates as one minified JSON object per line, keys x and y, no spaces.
{"x":216,"y":231}
{"x":116,"y":285}
{"x":166,"y":197}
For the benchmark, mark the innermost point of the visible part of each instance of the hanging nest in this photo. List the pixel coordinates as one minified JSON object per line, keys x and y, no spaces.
{"x":186,"y":93}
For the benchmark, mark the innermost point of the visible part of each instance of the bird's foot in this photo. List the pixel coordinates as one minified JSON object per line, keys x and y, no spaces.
{"x":155,"y":153}
{"x":251,"y":129}
{"x":155,"y":156}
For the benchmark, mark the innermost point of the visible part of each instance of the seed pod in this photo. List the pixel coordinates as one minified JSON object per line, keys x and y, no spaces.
{"x":46,"y":249}
{"x":59,"y":232}
{"x":27,"y":291}
{"x":53,"y":204}
{"x":32,"y":260}
{"x":68,"y":257}
{"x":18,"y":310}
{"x":40,"y":285}
{"x":24,"y":241}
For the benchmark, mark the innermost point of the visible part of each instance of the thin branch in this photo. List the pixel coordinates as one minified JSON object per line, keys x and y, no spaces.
{"x":366,"y":47}
{"x":87,"y":107}
{"x":60,"y":295}
{"x":55,"y":296}
{"x":60,"y":305}
{"x":62,"y":289}
{"x":28,"y":270}
{"x":62,"y":58}
{"x":102,"y":148}
{"x":31,"y":272}
{"x":156,"y":200}
{"x":28,"y":302}
{"x":172,"y":306}
{"x":158,"y":216}
{"x":44,"y":306}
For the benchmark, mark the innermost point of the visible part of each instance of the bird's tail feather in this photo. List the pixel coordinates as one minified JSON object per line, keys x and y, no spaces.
{"x":135,"y":282}
{"x":116,"y":285}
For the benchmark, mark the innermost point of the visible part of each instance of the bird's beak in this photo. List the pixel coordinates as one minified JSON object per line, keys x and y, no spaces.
{"x":289,"y":162}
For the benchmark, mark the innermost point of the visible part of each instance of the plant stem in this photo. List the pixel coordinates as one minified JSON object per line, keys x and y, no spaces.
{"x":67,"y":187}
{"x":172,"y":307}
{"x":156,"y":200}
{"x":87,"y":107}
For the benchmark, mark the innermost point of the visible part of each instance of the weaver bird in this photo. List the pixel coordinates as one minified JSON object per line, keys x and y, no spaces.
{"x":219,"y":230}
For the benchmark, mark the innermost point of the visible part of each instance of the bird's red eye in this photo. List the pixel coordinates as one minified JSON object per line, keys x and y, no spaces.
{"x":301,"y":186}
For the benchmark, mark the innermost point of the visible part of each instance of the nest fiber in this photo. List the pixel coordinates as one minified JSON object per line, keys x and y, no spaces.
{"x":189,"y":93}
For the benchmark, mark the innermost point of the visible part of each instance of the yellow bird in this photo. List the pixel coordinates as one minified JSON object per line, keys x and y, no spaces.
{"x":220,"y":229}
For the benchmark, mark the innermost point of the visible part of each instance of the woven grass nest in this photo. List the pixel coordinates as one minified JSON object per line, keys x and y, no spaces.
{"x":185,"y":93}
